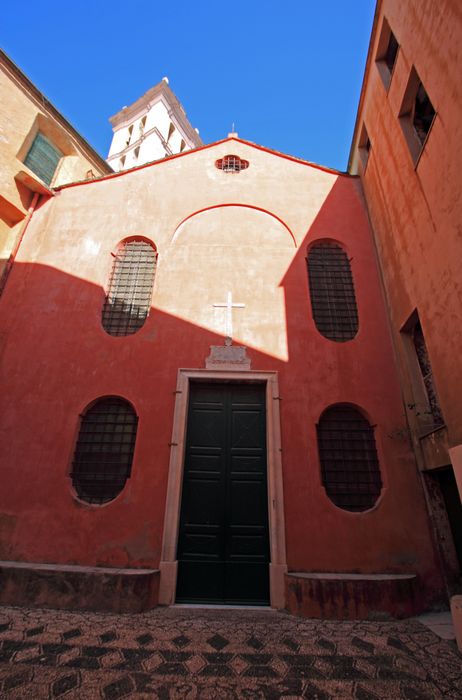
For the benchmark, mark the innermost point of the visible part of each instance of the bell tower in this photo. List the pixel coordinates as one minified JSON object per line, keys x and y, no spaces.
{"x":153,"y":127}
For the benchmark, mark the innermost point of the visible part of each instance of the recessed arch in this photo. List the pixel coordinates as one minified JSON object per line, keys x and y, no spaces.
{"x":178,"y":229}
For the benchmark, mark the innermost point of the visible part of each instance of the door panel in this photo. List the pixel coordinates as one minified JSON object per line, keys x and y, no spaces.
{"x":223,"y":548}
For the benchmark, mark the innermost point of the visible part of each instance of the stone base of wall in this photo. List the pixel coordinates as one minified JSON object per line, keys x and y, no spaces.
{"x":352,"y":596}
{"x":78,"y":587}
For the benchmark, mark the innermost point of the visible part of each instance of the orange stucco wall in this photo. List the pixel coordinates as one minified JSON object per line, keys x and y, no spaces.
{"x":416,"y":211}
{"x":57,"y":358}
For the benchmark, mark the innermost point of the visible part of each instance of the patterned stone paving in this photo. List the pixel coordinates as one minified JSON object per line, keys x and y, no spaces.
{"x":191,"y":654}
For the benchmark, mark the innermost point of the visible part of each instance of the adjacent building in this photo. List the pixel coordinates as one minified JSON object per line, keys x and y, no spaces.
{"x":39,"y":150}
{"x":407,"y":148}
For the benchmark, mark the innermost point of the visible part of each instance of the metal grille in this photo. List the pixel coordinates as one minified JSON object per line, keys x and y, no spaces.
{"x":332,"y":292}
{"x":104,"y":452}
{"x":427,"y":375}
{"x":349,"y":463}
{"x":127,"y":303}
{"x":231,"y":164}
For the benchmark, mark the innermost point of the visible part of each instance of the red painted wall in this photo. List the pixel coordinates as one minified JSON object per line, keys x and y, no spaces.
{"x":57,"y":359}
{"x":416,"y":209}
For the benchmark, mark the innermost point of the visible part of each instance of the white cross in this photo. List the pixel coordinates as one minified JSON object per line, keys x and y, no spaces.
{"x":229,"y":306}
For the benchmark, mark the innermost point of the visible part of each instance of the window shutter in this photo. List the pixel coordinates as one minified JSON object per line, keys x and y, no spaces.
{"x":43,"y":158}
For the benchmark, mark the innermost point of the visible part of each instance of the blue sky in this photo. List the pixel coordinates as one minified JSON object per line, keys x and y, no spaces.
{"x":287,"y":72}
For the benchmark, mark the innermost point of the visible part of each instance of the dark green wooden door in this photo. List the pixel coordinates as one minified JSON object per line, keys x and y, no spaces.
{"x":223,"y":550}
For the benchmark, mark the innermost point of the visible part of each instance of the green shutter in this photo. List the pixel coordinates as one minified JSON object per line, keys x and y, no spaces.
{"x":43,"y":158}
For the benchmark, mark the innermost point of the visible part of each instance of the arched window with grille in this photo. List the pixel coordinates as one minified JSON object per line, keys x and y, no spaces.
{"x":104,"y":450}
{"x":332,"y":292}
{"x":128,"y":299}
{"x":348,"y":455}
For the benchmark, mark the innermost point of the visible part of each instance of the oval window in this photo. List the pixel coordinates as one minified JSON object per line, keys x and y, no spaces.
{"x":348,"y":455}
{"x":332,"y":292}
{"x":104,"y":450}
{"x":128,"y":300}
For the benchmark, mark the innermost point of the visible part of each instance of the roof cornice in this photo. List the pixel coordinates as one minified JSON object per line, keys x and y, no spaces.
{"x":367,"y":68}
{"x":185,"y":154}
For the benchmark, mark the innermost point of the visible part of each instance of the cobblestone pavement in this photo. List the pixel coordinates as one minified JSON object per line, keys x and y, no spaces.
{"x":217,"y":654}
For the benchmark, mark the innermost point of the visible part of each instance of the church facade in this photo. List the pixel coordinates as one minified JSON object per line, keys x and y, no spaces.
{"x":242,"y":438}
{"x":232,"y":376}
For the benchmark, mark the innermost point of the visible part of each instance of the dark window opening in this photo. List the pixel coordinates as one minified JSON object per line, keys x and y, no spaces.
{"x":427,"y":374}
{"x":364,"y":146}
{"x":416,"y":115}
{"x":104,"y":451}
{"x":43,"y":158}
{"x":128,"y":300}
{"x":391,"y":52}
{"x":387,"y":53}
{"x":423,"y":114}
{"x":332,"y":292}
{"x":348,"y":455}
{"x":231,"y":164}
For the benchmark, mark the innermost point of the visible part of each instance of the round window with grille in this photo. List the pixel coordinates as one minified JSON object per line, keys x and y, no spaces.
{"x":104,"y":451}
{"x":231,"y":164}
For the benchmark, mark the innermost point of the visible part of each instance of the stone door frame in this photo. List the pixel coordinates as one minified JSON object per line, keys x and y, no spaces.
{"x":278,"y":564}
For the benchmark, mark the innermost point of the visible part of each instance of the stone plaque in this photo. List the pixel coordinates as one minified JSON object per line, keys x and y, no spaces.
{"x":227,"y":357}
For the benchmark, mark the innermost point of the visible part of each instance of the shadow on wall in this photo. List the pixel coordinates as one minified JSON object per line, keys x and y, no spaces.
{"x":57,"y":359}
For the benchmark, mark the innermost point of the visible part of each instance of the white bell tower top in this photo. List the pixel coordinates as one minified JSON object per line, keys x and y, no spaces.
{"x":151,"y":128}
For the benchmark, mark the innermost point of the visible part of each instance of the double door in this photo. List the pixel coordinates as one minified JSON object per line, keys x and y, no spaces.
{"x":223,"y":547}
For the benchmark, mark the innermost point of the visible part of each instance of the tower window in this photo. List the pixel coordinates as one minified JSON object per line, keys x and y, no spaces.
{"x":348,"y":455}
{"x":332,"y":292}
{"x":104,"y":451}
{"x":231,"y":164}
{"x":417,"y":115}
{"x":128,"y":300}
{"x":43,"y":158}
